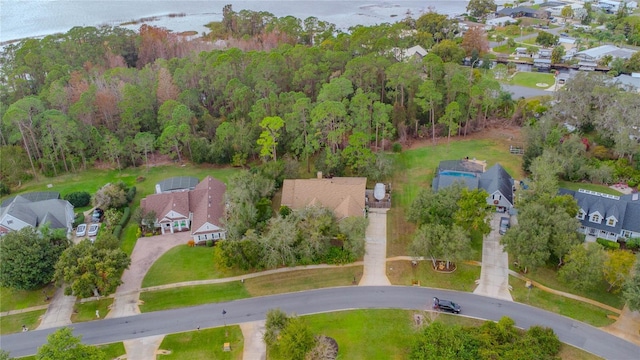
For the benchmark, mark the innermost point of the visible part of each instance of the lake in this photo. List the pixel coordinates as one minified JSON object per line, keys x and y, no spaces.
{"x":33,"y":18}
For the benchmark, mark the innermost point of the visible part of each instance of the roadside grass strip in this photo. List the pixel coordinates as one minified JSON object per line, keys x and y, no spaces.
{"x":191,"y":296}
{"x":13,"y":323}
{"x":86,"y":311}
{"x":402,"y":272}
{"x":203,"y":344}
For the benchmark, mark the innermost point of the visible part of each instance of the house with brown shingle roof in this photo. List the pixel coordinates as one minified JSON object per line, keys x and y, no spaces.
{"x":198,"y":210}
{"x":344,"y":195}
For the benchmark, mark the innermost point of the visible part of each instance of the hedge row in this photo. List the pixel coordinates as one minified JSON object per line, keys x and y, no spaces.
{"x":607,"y":244}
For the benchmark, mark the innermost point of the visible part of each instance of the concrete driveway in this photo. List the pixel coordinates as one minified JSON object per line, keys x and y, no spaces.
{"x":146,"y":252}
{"x":375,"y":257}
{"x":494,"y":276}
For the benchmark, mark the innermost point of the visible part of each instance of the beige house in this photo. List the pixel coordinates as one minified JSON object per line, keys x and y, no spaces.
{"x":344,"y":195}
{"x":199,"y":210}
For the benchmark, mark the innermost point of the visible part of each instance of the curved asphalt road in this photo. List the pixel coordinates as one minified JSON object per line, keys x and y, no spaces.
{"x":324,"y":300}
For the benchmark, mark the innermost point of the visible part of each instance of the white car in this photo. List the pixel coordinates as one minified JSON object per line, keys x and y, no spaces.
{"x":81,"y":230}
{"x":93,"y":229}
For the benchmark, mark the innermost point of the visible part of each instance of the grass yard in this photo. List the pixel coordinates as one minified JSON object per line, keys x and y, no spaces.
{"x":203,"y":344}
{"x":588,"y":186}
{"x":21,"y":299}
{"x":531,"y":79}
{"x":87,"y":311}
{"x":13,"y":323}
{"x":463,"y":279}
{"x":184,"y":263}
{"x":113,"y":350}
{"x":568,"y":352}
{"x":260,"y":286}
{"x":416,"y":169}
{"x":549,"y":277}
{"x":574,"y":309}
{"x":192,"y":296}
{"x":303,"y":280}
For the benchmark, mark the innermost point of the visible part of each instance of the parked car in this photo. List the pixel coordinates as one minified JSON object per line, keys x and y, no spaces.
{"x":81,"y":230}
{"x":504,"y":225}
{"x":93,"y":229}
{"x":446,"y":305}
{"x":97,"y":215}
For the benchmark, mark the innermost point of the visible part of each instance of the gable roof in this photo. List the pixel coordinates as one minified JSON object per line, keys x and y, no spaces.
{"x":603,"y":50}
{"x":205,"y":202}
{"x":344,"y":195}
{"x":623,"y":208}
{"x":36,"y":209}
{"x":497,"y":179}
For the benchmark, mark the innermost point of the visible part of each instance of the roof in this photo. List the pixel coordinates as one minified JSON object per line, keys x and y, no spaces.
{"x":623,"y":208}
{"x":34,"y":212}
{"x":601,"y":51}
{"x":497,"y":179}
{"x":628,"y":81}
{"x":205,"y":202}
{"x":519,"y":10}
{"x":33,"y":196}
{"x":177,"y":183}
{"x":344,"y":195}
{"x":403,"y":54}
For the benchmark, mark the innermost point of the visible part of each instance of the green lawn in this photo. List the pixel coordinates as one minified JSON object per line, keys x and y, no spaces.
{"x":260,"y":286}
{"x":416,"y":170}
{"x":113,"y":350}
{"x":13,"y":323}
{"x":184,"y":263}
{"x":531,"y":79}
{"x":303,"y":280}
{"x":549,"y":277}
{"x":463,"y":279}
{"x":203,"y":344}
{"x":191,"y":296}
{"x":21,"y":299}
{"x":574,"y":309}
{"x":87,"y":311}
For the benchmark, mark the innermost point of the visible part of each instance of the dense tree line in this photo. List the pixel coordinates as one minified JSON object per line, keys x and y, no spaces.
{"x":110,"y":95}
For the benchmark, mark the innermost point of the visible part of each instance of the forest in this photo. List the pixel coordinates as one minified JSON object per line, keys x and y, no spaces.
{"x":284,"y":88}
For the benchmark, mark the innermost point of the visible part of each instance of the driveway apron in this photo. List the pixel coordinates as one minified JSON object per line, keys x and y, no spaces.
{"x":494,"y":275}
{"x":375,"y":258}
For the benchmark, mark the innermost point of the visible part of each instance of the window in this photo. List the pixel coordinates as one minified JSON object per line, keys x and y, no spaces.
{"x":626,"y":234}
{"x":611,"y":222}
{"x":595,"y":218}
{"x":581,"y":215}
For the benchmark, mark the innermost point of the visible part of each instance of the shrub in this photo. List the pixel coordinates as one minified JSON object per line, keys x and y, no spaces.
{"x":131,"y":193}
{"x":78,"y":198}
{"x":337,"y":255}
{"x":607,"y":244}
{"x":396,"y":148}
{"x":78,"y":219}
{"x":4,"y":189}
{"x":633,"y":244}
{"x":209,"y":243}
{"x":284,"y":211}
{"x":117,"y":231}
{"x":125,"y":217}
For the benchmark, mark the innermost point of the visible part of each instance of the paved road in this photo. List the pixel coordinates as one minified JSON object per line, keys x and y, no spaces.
{"x":323,"y":300}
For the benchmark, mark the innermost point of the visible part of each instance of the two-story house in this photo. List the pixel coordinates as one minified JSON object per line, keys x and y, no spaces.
{"x":607,"y":216}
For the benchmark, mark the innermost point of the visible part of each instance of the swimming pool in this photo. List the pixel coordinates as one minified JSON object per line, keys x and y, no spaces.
{"x":457,"y":173}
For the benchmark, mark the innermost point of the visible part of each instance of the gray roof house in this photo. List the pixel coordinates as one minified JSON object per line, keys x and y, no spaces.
{"x":597,"y":53}
{"x":607,"y":216}
{"x":36,"y":209}
{"x":495,"y":181}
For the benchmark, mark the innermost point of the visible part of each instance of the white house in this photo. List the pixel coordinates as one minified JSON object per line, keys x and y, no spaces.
{"x":36,"y":209}
{"x":501,"y":21}
{"x":607,"y":216}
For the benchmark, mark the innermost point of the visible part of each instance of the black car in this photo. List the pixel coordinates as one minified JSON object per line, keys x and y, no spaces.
{"x":446,"y":305}
{"x":97,"y":215}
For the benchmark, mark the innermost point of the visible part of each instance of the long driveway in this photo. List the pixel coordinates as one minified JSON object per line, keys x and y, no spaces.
{"x":569,"y":331}
{"x":494,"y":276}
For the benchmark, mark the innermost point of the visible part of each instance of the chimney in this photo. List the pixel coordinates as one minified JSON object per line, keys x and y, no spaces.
{"x":319,"y":174}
